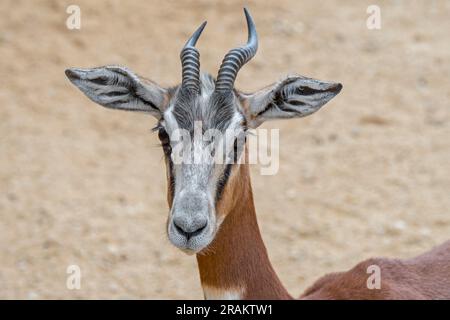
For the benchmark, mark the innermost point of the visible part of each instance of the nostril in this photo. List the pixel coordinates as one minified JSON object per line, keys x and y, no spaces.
{"x":199,"y":230}
{"x":179,"y":229}
{"x":189,"y":231}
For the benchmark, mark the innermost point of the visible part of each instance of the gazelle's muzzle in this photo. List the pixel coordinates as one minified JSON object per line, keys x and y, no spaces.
{"x":192,"y":221}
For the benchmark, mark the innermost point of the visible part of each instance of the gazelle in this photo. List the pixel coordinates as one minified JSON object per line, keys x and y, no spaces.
{"x":211,"y":204}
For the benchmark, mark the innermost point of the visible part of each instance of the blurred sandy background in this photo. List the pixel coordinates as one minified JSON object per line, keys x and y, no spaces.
{"x":367,"y":175}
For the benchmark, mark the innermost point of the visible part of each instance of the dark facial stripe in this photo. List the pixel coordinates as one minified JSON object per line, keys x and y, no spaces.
{"x":223,"y":181}
{"x":171,"y":185}
{"x":165,"y":143}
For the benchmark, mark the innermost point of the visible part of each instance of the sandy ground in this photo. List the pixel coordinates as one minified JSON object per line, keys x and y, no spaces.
{"x":367,"y":175}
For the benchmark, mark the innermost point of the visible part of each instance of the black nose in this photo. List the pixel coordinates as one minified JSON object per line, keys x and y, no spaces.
{"x":189,"y":228}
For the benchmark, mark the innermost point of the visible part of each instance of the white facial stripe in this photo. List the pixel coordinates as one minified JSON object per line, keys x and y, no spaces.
{"x":213,"y":293}
{"x":170,"y":123}
{"x":236,"y":121}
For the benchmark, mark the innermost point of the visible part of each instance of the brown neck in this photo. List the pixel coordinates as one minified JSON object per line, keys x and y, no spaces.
{"x":236,"y":264}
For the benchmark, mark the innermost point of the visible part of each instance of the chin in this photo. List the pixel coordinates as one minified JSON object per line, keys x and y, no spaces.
{"x":191,"y":246}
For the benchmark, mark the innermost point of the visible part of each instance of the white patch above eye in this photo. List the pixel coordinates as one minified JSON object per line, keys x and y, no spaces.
{"x":213,"y":293}
{"x":170,"y":123}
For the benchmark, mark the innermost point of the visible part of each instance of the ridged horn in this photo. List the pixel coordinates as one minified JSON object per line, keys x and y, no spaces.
{"x":236,"y":58}
{"x":190,"y":62}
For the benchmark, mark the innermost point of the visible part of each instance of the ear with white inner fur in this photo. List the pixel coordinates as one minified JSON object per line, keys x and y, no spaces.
{"x":292,"y":97}
{"x":118,"y":88}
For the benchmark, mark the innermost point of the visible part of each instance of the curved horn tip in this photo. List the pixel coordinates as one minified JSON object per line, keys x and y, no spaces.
{"x":248,"y":16}
{"x":236,"y":58}
{"x":252,"y":35}
{"x":247,"y":13}
{"x":202,"y":26}
{"x":193,"y":39}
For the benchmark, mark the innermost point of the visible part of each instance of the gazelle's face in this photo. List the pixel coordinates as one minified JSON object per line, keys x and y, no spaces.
{"x":202,"y":137}
{"x":202,"y":125}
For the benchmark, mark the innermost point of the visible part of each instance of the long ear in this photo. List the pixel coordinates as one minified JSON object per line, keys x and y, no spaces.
{"x":118,"y":88}
{"x":292,"y":97}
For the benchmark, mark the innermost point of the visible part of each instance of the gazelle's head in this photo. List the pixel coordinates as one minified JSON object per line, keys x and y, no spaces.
{"x":198,"y":121}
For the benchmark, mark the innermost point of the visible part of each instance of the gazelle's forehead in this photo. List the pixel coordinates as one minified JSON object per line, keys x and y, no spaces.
{"x":212,"y":111}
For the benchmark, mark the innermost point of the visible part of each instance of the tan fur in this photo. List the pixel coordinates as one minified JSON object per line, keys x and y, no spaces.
{"x":237,"y":257}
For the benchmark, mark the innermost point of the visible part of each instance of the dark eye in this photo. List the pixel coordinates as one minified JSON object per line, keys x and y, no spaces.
{"x":165,"y":141}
